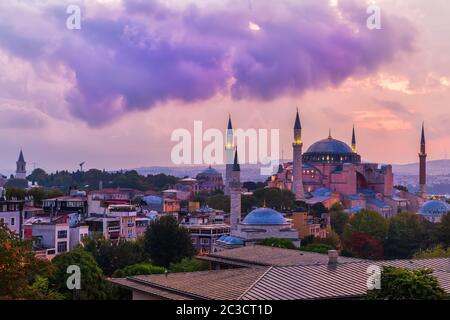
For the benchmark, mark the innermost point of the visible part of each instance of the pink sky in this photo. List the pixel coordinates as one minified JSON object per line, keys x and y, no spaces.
{"x":53,"y":113}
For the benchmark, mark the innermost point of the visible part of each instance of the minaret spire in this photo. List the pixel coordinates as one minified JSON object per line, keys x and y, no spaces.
{"x":423,"y":165}
{"x":235,"y":194}
{"x":353,"y":139}
{"x":229,"y":152}
{"x":297,"y":170}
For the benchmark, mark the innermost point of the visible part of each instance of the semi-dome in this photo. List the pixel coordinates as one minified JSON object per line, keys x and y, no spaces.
{"x":434,"y":208}
{"x":264,"y":216}
{"x":330,"y":151}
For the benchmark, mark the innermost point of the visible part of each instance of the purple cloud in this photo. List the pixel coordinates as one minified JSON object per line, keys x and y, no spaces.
{"x":152,"y":54}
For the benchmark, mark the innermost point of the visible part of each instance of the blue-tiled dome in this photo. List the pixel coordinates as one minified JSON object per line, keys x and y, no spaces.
{"x":434,"y":207}
{"x":230,"y":240}
{"x":329,"y":146}
{"x":262,"y":216}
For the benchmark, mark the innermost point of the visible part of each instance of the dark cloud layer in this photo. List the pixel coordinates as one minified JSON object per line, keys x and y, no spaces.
{"x":151,"y":54}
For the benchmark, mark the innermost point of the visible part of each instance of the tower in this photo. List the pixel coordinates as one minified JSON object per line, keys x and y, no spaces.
{"x":297,"y":170}
{"x":21,"y":167}
{"x":353,"y":140}
{"x":235,"y":193}
{"x":229,"y":152}
{"x":423,"y":166}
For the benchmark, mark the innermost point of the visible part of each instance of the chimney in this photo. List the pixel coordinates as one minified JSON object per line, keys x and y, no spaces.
{"x":332,"y":257}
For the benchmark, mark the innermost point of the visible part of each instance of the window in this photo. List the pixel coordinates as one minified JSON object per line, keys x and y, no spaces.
{"x":62,"y":246}
{"x":204,"y":241}
{"x":13,"y":221}
{"x":62,"y":234}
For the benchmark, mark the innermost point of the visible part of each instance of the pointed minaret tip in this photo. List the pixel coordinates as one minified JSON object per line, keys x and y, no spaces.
{"x":422,"y":139}
{"x":236,"y":166}
{"x":230,"y":126}
{"x":298,"y":124}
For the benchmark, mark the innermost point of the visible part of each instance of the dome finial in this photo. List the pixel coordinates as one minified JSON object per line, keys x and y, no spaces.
{"x":329,"y":134}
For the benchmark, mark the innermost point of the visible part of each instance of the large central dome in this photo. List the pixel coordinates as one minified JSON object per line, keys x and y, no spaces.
{"x":330,"y":151}
{"x":329,"y":145}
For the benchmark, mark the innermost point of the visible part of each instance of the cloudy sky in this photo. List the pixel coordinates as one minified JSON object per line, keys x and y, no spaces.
{"x":112,"y":93}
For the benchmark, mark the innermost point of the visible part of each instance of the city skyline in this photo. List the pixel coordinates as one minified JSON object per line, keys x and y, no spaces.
{"x":61,"y":105}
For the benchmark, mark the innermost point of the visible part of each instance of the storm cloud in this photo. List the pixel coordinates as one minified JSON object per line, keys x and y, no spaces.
{"x":145,"y":53}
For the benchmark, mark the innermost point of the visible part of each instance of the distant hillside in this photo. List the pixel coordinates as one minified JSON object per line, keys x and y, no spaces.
{"x":434,"y":167}
{"x":248,"y":172}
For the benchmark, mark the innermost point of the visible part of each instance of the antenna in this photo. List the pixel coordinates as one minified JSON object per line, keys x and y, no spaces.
{"x":81,"y":166}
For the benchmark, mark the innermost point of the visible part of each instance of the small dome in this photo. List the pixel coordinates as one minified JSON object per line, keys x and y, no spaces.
{"x":434,"y":207}
{"x":263,"y":216}
{"x":230,"y":240}
{"x":329,"y":146}
{"x":209,"y":171}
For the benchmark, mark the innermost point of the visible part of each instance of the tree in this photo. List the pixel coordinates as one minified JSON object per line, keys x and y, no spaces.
{"x":401,"y":188}
{"x":274,"y":198}
{"x":339,"y":220}
{"x":404,"y":284}
{"x":368,"y":222}
{"x":405,"y":236}
{"x":111,"y":256}
{"x":138,"y":269}
{"x":93,"y":283}
{"x":364,"y":246}
{"x":277,"y":242}
{"x":317,"y":247}
{"x":189,"y":265}
{"x":167,"y":242}
{"x":19,"y":267}
{"x":219,"y":202}
{"x":443,"y":230}
{"x":435,"y":252}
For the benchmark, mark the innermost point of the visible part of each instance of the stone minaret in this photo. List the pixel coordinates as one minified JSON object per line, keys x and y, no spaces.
{"x":423,"y":166}
{"x":21,"y":169}
{"x":297,"y":172}
{"x":235,"y":194}
{"x":229,"y":152}
{"x":353,"y":140}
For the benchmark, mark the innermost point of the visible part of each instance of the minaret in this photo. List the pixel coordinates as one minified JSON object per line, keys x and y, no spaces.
{"x":229,"y":152}
{"x":235,"y":193}
{"x":21,"y":168}
{"x":353,"y":140}
{"x":297,"y":171}
{"x":423,"y":166}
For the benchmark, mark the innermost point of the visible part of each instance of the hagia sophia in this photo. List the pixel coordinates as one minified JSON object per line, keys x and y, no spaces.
{"x":330,"y":171}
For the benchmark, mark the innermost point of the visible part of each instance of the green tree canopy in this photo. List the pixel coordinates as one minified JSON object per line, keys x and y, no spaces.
{"x":93,"y":283}
{"x":404,"y":284}
{"x":317,"y":247}
{"x":189,"y":265}
{"x":19,"y":268}
{"x":435,"y":252}
{"x":167,"y":242}
{"x":443,"y":230}
{"x":111,"y":256}
{"x":219,"y":202}
{"x":138,"y":269}
{"x":277,"y":242}
{"x":339,"y":220}
{"x":405,"y":236}
{"x":368,"y":222}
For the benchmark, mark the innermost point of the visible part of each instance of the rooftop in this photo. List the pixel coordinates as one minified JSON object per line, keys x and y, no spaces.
{"x":271,"y":256}
{"x":300,"y":282}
